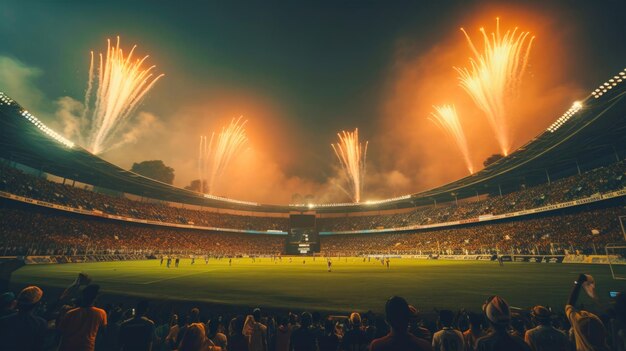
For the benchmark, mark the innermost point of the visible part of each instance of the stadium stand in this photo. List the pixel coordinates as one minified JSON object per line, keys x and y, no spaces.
{"x":599,"y":180}
{"x":34,"y":231}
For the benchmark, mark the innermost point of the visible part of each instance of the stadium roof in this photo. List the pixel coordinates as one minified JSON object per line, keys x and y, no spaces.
{"x":591,"y":130}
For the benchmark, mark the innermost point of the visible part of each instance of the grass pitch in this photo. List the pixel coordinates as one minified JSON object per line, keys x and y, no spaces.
{"x":352,"y":284}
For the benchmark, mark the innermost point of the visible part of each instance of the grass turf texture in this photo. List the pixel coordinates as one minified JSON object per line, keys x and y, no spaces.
{"x":352,"y":285}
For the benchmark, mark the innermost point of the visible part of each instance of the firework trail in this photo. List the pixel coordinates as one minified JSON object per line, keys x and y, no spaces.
{"x":494,"y":73}
{"x":352,"y":156}
{"x":216,"y":153}
{"x":446,"y":118}
{"x":120,"y":83}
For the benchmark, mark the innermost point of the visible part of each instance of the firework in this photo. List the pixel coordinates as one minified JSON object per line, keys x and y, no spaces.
{"x":121,"y":83}
{"x":495,"y":73}
{"x":216,"y":153}
{"x":446,"y":118}
{"x":352,"y":156}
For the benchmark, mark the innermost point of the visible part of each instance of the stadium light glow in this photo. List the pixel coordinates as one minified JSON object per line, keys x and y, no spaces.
{"x":609,"y":84}
{"x":343,"y":204}
{"x":576,"y":106}
{"x":5,"y":100}
{"x":219,"y":198}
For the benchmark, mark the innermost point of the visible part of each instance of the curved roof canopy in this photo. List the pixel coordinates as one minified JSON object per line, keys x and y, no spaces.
{"x":592,"y":129}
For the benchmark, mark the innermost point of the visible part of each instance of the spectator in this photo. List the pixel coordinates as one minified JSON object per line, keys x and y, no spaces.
{"x":80,"y":325}
{"x":355,"y":338}
{"x":474,"y":332}
{"x":283,"y":335}
{"x":255,"y":331}
{"x":399,"y":339}
{"x":497,"y":312}
{"x":193,"y":317}
{"x":415,"y":326}
{"x":329,"y":341}
{"x":22,"y":330}
{"x":544,"y":337}
{"x":448,"y":338}
{"x":7,"y":304}
{"x":175,"y":325}
{"x":195,"y":338}
{"x":588,"y":330}
{"x":215,"y":335}
{"x":237,"y":340}
{"x":304,"y":338}
{"x":138,"y":332}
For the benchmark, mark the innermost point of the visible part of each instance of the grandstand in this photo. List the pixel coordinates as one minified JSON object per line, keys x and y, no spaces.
{"x":557,"y":199}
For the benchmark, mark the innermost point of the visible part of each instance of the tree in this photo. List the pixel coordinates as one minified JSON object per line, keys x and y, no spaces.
{"x":154,"y":169}
{"x":491,"y":159}
{"x":195,"y":186}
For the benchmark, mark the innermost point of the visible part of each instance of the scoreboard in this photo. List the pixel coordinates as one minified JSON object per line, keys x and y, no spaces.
{"x":303,"y":237}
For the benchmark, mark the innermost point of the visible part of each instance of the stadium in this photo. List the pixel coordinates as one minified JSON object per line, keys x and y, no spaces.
{"x":549,"y":213}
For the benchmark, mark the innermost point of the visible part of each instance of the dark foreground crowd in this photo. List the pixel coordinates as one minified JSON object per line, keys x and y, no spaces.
{"x":72,"y":322}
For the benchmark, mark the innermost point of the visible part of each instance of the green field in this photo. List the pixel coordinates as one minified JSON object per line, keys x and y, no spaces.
{"x":352,"y":285}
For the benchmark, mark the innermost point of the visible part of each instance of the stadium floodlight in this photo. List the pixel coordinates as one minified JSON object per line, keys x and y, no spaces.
{"x":49,"y":132}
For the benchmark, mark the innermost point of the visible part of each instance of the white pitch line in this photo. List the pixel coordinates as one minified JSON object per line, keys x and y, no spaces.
{"x":176,"y":277}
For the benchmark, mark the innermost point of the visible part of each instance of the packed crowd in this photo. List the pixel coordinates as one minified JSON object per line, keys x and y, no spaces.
{"x":29,"y":231}
{"x":75,"y":321}
{"x":32,"y":232}
{"x":17,"y":182}
{"x":599,"y":180}
{"x":583,"y":232}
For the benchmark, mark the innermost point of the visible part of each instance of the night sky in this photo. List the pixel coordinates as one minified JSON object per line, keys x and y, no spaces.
{"x":302,"y":71}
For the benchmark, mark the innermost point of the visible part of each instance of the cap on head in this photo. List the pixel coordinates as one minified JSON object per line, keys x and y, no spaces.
{"x":497,"y":311}
{"x":541,"y":313}
{"x":29,"y":295}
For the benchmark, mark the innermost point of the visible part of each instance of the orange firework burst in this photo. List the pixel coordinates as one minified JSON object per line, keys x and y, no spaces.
{"x":352,"y":156}
{"x":446,"y":118}
{"x":122,"y":83}
{"x":217,"y":152}
{"x":495,"y":72}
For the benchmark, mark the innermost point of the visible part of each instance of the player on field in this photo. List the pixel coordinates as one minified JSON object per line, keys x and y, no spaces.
{"x":161,"y":260}
{"x":177,"y":262}
{"x":387,"y":262}
{"x":230,"y":261}
{"x":193,"y":259}
{"x":206,"y":259}
{"x":329,"y":263}
{"x":500,"y":261}
{"x":169,"y":261}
